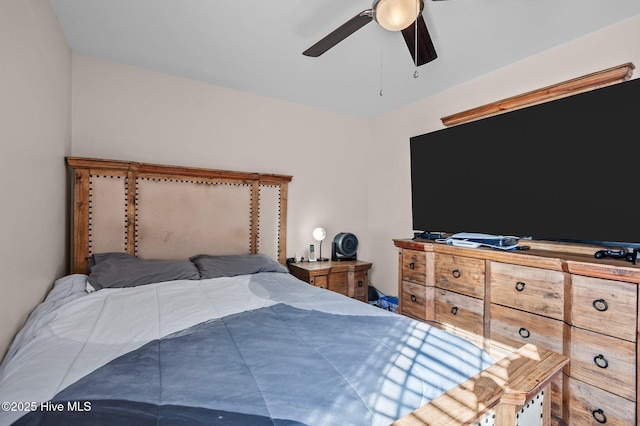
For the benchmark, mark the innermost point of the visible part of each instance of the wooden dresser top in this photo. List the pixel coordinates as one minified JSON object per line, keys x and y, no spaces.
{"x":573,"y":258}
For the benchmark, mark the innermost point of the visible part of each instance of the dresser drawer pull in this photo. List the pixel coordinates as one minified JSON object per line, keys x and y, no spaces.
{"x":599,"y":416}
{"x":600,"y":305}
{"x":520,"y":286}
{"x":454,"y":310}
{"x":413,"y":298}
{"x":601,"y":361}
{"x":524,"y":333}
{"x":412,"y":265}
{"x":360,"y":283}
{"x":456,"y":273}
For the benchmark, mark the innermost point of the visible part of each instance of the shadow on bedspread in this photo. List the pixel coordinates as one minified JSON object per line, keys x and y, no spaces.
{"x":278,"y":365}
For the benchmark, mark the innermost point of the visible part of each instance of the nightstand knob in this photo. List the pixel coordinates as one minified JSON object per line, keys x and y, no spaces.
{"x":360,"y":283}
{"x":413,"y":298}
{"x":520,"y":286}
{"x":456,"y":273}
{"x":454,"y":310}
{"x":412,"y":265}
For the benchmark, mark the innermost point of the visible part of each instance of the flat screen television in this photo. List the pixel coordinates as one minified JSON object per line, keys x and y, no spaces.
{"x":566,"y":170}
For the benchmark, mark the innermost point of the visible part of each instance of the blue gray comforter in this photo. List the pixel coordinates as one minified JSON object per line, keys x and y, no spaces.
{"x":262,"y":349}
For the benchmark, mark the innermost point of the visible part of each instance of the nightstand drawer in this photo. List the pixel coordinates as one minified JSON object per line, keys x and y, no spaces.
{"x":589,"y":405}
{"x":348,"y":277}
{"x":360,"y":284}
{"x":528,"y":289}
{"x":459,"y":311}
{"x":414,"y":266}
{"x":460,"y":274}
{"x":414,"y":298}
{"x":604,"y":361}
{"x":321,"y":281}
{"x":608,"y":307}
{"x":338,"y":282}
{"x":515,"y":328}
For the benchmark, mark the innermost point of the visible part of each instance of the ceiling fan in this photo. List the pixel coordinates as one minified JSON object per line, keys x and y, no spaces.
{"x":392,"y":15}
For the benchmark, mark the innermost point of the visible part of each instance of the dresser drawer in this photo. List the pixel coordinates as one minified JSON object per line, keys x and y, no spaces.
{"x":459,"y":312}
{"x":604,"y":361}
{"x":590,"y":406}
{"x":515,"y":328}
{"x":608,"y":307}
{"x":414,"y":299}
{"x":461,"y":274}
{"x":529,"y":289}
{"x":414,"y":266}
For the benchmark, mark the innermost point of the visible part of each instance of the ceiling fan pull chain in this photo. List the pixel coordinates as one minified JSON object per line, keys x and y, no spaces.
{"x":381,"y":92}
{"x":415,"y":23}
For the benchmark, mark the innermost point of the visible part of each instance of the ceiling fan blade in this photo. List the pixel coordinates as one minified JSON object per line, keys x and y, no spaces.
{"x":340,"y":33}
{"x":426,"y":51}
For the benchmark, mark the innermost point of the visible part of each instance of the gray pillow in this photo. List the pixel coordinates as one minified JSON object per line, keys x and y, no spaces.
{"x":232,"y":265}
{"x":115,"y":270}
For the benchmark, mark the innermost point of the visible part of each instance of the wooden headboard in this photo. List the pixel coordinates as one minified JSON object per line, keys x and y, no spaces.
{"x":172,"y":212}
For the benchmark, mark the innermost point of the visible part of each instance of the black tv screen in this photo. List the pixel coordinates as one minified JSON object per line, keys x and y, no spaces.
{"x":564,"y":170}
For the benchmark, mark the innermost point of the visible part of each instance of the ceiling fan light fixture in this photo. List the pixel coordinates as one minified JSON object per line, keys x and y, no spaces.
{"x":396,"y":15}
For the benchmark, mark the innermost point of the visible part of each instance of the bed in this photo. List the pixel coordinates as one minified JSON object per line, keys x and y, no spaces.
{"x":179,"y":310}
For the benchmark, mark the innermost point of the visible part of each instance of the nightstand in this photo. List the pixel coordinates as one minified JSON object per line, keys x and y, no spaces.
{"x":348,"y":277}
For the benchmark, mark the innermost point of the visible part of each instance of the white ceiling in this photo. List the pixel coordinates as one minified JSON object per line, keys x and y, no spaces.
{"x":256,"y":46}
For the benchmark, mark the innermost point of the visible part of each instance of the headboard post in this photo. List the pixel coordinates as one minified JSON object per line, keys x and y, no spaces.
{"x":80,"y":240}
{"x":131,"y":212}
{"x":255,"y":207}
{"x":154,"y":210}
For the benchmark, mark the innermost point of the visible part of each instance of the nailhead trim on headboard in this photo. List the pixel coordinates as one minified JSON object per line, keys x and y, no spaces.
{"x":86,"y":172}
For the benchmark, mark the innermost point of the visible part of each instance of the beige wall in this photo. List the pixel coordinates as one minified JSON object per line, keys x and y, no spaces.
{"x":35,"y":135}
{"x":121,"y":112}
{"x":389,"y":183}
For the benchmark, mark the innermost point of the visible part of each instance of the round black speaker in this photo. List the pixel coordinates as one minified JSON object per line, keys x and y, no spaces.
{"x":344,"y":247}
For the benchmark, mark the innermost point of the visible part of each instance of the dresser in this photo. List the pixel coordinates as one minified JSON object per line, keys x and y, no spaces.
{"x":555,"y":295}
{"x":348,"y":277}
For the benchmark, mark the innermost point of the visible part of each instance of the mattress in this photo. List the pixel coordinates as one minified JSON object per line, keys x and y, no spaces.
{"x":260,"y":348}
